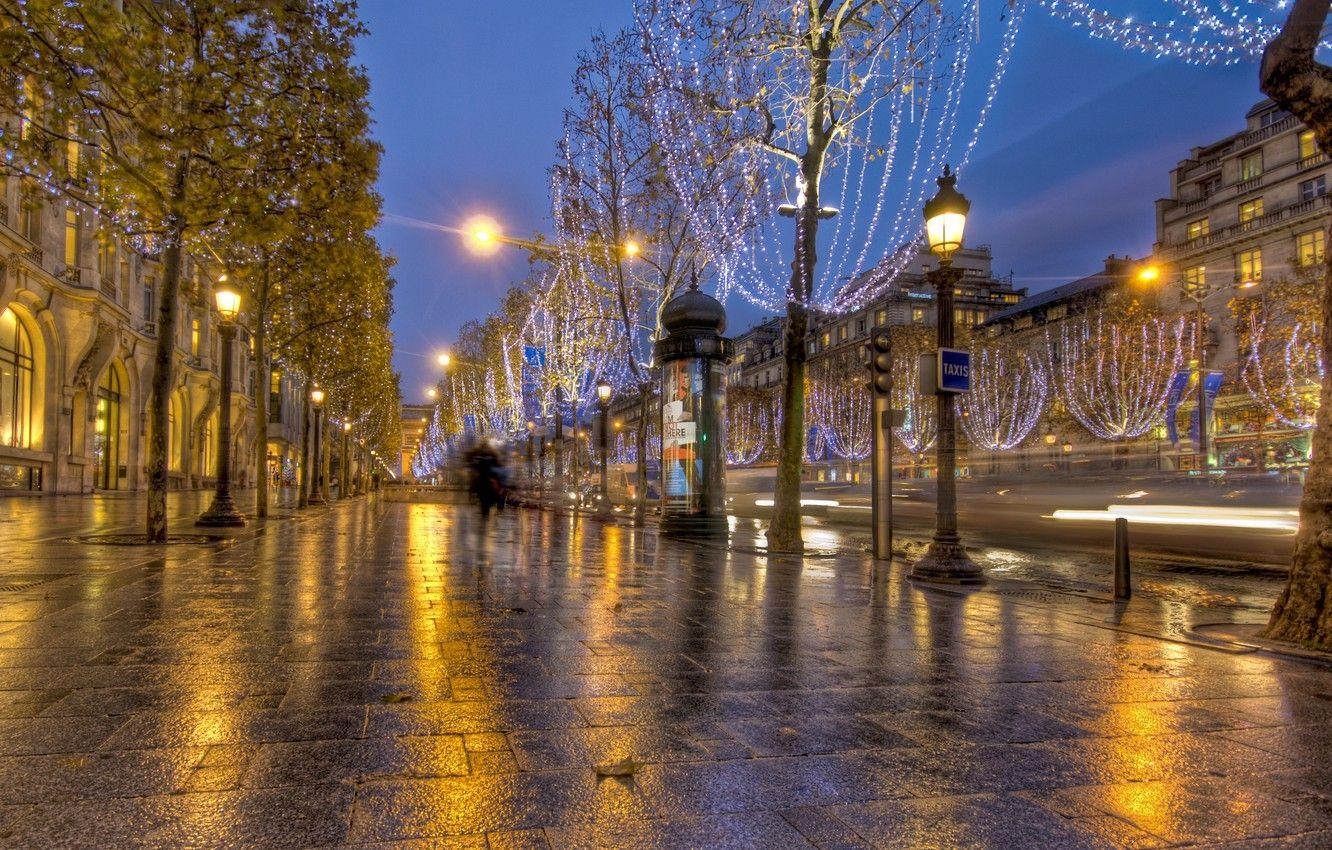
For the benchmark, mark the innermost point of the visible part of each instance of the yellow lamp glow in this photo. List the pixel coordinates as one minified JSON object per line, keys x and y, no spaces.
{"x":604,"y":390}
{"x":632,"y":248}
{"x":1149,"y":274}
{"x":317,"y":397}
{"x":445,"y":359}
{"x":346,"y":426}
{"x":946,"y":217}
{"x":483,"y":235}
{"x":227,"y":299}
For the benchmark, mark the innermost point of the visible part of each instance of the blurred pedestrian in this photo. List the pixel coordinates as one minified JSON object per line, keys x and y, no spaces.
{"x":487,"y":477}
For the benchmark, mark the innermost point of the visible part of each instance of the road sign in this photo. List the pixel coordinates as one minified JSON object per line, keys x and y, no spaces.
{"x":954,"y":374}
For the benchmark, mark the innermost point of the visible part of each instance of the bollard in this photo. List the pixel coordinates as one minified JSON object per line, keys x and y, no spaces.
{"x":1123,"y":588}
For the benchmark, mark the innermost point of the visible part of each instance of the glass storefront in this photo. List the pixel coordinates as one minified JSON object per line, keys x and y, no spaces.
{"x":16,"y":383}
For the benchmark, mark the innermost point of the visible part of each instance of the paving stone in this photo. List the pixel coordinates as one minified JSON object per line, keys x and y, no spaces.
{"x":389,"y":675}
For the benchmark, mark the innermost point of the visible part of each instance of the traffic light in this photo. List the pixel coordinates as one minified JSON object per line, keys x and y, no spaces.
{"x":881,"y":361}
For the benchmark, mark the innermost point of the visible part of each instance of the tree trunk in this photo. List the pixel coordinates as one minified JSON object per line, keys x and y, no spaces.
{"x":303,"y":480}
{"x":1292,"y":77}
{"x":163,"y":356}
{"x":261,"y":395}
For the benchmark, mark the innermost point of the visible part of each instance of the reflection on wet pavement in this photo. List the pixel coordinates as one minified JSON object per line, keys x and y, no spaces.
{"x":384,"y":672}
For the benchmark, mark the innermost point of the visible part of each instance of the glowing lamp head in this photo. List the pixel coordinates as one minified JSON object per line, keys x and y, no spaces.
{"x":1149,"y":274}
{"x":632,"y":248}
{"x":432,"y":393}
{"x":346,"y":426}
{"x":482,"y":234}
{"x":531,"y":426}
{"x":604,"y":390}
{"x":1050,"y":439}
{"x":317,"y":397}
{"x":227,"y":299}
{"x":946,"y":217}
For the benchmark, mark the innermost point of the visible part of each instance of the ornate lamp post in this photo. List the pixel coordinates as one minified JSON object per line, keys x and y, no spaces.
{"x":603,"y":398}
{"x":317,"y":464}
{"x":222,"y":513}
{"x":945,"y":221}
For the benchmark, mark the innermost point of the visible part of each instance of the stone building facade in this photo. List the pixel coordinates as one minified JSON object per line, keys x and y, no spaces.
{"x":78,"y":309}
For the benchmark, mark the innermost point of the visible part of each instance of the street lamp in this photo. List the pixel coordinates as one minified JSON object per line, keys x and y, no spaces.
{"x":604,"y":390}
{"x":317,"y":470}
{"x":945,"y":223}
{"x":222,"y":513}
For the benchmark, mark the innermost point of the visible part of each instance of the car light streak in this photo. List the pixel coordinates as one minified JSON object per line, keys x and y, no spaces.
{"x":1270,"y":519}
{"x":810,"y":503}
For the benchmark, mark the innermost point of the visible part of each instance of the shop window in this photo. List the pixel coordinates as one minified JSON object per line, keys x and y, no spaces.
{"x":1309,"y":248}
{"x":17,"y":383}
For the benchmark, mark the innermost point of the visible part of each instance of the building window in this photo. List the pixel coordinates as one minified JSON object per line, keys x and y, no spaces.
{"x":72,"y":150}
{"x":1056,"y":313}
{"x":1310,"y":189}
{"x":1309,"y":248}
{"x":106,"y":255}
{"x":860,"y":327}
{"x":149,"y":299}
{"x":275,"y":396}
{"x":28,"y":112}
{"x":1210,"y":187}
{"x":71,"y":237}
{"x":1251,"y":165}
{"x":811,"y":348}
{"x":1249,"y":265}
{"x":194,"y":337}
{"x":30,"y":215}
{"x":917,"y":314}
{"x":881,"y":318}
{"x":106,"y":437}
{"x":16,"y":382}
{"x":1308,"y":147}
{"x":825,"y":338}
{"x":841,"y":333}
{"x":1199,"y":228}
{"x":1249,"y":210}
{"x":1195,"y":275}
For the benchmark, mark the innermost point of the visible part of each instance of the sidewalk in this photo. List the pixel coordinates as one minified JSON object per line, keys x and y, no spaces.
{"x":376,"y":672}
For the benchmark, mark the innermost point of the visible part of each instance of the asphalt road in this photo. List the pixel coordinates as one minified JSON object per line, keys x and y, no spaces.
{"x":1244,"y":522}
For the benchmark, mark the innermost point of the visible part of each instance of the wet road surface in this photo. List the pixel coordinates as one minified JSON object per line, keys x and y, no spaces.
{"x":373,"y":672}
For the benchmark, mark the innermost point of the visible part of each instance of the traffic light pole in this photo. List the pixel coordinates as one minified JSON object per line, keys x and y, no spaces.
{"x":881,"y":469}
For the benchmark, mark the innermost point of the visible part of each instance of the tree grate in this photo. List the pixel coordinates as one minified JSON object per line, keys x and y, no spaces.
{"x":17,"y":583}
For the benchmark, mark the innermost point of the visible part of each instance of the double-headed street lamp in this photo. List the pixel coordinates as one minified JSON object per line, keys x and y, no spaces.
{"x":222,"y":513}
{"x":317,"y":466}
{"x":945,"y":222}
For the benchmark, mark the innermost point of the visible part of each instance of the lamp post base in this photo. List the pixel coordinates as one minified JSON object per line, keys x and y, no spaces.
{"x":946,"y":562}
{"x":221,"y":514}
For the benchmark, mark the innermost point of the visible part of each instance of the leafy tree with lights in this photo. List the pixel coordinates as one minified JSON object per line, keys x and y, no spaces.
{"x":1009,"y":391}
{"x":839,"y":404}
{"x":174,"y":101}
{"x":1294,"y":78}
{"x":749,"y":422}
{"x":920,"y":424}
{"x":800,"y":89}
{"x":1112,"y":367}
{"x":1281,"y":361}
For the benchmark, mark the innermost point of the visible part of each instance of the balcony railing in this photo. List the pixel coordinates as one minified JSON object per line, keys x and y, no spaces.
{"x":109,"y":287}
{"x":1207,"y":166}
{"x":1310,"y":161}
{"x":36,"y":255}
{"x":1248,"y":185}
{"x":1262,"y":222}
{"x":1267,"y":132}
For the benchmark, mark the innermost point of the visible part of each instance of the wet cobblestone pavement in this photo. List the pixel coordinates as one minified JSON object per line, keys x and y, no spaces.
{"x":386,"y":674}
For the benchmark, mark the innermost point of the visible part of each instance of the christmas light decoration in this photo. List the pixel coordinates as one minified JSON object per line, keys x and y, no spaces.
{"x":1113,"y":375}
{"x":839,"y":405}
{"x":749,"y":424}
{"x":1282,"y":366}
{"x":1009,"y":390}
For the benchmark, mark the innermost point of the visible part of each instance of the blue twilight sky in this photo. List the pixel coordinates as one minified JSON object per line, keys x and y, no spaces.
{"x":468,"y":106}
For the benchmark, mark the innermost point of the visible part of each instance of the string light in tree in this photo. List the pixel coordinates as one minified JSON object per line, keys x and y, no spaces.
{"x":1113,"y":376}
{"x":1284,"y":367}
{"x":1009,"y":391}
{"x":749,"y":423}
